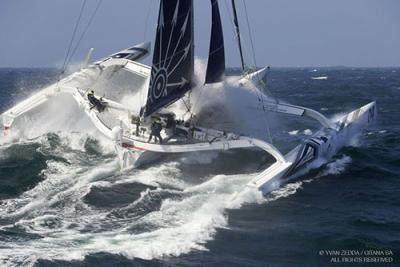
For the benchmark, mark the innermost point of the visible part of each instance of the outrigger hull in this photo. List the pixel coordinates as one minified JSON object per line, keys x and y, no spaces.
{"x":316,"y":150}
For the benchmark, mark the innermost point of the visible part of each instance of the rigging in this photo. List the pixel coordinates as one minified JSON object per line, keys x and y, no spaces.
{"x":64,"y":66}
{"x":236,"y":22}
{"x":85,"y":30}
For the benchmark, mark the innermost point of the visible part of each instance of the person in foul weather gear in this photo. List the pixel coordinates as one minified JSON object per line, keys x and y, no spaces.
{"x":97,"y":103}
{"x":136,"y":120}
{"x":156,"y":128}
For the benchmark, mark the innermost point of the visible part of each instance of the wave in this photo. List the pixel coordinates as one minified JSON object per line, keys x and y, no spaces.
{"x":376,"y":223}
{"x":68,"y":206}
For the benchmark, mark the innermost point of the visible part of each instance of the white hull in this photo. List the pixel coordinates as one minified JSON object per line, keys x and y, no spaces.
{"x":320,"y":147}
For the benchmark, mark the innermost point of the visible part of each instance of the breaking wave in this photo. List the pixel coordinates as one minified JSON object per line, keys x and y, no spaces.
{"x":159,"y":212}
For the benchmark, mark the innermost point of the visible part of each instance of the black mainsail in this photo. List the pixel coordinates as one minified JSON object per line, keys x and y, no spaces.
{"x":216,"y":56}
{"x":173,"y":58}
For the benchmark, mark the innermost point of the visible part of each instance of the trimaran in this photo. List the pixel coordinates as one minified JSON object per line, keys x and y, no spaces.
{"x":171,"y":76}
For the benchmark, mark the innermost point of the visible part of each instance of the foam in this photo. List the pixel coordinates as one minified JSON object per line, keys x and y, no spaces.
{"x":163,"y":174}
{"x":285,"y":191}
{"x":179,"y":226}
{"x":320,"y":78}
{"x":307,"y":132}
{"x":338,"y":166}
{"x":199,"y":157}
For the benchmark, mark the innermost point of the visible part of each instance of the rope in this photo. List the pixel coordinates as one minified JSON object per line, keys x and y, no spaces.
{"x":230,"y":18}
{"x":245,"y":49}
{"x":259,"y":95}
{"x":187,"y":107}
{"x":73,"y":36}
{"x":85,"y":30}
{"x":250,"y":34}
{"x":252,"y":45}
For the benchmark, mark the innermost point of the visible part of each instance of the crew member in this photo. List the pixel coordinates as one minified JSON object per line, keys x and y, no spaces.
{"x":156,"y":128}
{"x":97,"y":103}
{"x":170,"y":126}
{"x":136,"y":120}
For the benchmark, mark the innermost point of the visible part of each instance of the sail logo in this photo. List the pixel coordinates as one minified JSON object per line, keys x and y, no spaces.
{"x":159,"y":84}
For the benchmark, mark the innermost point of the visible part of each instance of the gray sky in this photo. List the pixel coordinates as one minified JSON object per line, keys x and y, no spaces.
{"x":286,"y":32}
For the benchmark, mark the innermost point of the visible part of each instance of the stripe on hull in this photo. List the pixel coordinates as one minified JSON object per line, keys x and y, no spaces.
{"x":129,"y":146}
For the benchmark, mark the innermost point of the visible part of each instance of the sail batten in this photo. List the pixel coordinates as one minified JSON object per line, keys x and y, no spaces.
{"x":173,"y":58}
{"x":216,"y":56}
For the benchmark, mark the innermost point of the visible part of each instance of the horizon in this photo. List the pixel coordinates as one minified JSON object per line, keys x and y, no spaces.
{"x":287,"y":34}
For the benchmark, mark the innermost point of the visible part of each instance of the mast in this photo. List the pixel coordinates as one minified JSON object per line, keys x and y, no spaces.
{"x":236,"y":22}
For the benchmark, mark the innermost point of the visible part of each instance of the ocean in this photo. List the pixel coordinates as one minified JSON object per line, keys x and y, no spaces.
{"x":64,"y":201}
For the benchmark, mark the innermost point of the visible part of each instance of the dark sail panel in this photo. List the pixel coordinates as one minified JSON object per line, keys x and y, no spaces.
{"x":173,"y":59}
{"x":216,"y":56}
